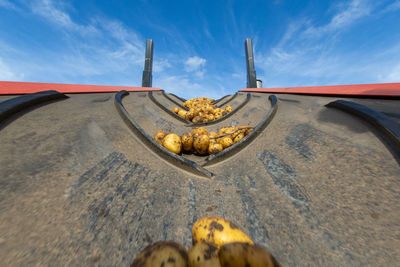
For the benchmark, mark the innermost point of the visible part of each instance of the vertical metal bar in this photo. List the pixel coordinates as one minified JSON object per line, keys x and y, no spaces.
{"x":147,"y":78}
{"x":251,"y":72}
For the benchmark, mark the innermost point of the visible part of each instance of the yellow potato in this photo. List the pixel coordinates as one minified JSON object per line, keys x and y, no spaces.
{"x":228,"y":108}
{"x":212,"y":134}
{"x":162,"y":253}
{"x":159,"y":136}
{"x":203,"y":255}
{"x":214,"y":148}
{"x":189,"y":115}
{"x":197,"y":119}
{"x":199,"y":131}
{"x":238,"y":138}
{"x":182,"y":113}
{"x":225,"y":141}
{"x":243,"y":254}
{"x":218,"y":115}
{"x":187,"y":141}
{"x":218,"y":231}
{"x":210,"y":117}
{"x":225,"y":130}
{"x":175,"y":110}
{"x":201,"y":144}
{"x":173,"y":143}
{"x":247,"y":131}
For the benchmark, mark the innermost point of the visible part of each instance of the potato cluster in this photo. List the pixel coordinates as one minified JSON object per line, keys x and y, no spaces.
{"x":201,"y":141}
{"x":201,"y":110}
{"x":216,"y":243}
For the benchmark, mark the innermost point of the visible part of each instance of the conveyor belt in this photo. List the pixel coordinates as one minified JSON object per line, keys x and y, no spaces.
{"x":80,"y":186}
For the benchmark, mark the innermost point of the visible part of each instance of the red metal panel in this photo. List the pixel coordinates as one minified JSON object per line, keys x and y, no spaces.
{"x":379,"y":89}
{"x":19,"y":88}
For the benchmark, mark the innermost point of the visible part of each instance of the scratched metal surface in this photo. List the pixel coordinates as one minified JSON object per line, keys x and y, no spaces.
{"x":317,"y":187}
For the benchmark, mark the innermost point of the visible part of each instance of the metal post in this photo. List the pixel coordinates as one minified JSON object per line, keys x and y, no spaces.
{"x":147,"y":78}
{"x":251,"y":72}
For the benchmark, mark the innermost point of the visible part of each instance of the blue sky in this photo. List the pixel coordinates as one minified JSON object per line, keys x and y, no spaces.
{"x":199,"y":45}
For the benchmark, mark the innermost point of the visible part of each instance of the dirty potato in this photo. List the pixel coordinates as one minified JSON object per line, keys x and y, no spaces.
{"x":182,"y":113}
{"x":218,"y":115}
{"x":201,"y":144}
{"x":214,"y":148}
{"x":218,"y":231}
{"x":228,"y":108}
{"x":173,"y":143}
{"x":199,"y":131}
{"x":238,"y":138}
{"x":197,"y":119}
{"x":163,"y":253}
{"x":159,"y":136}
{"x":225,"y":141}
{"x":243,"y":254}
{"x":213,"y":134}
{"x":203,"y":254}
{"x":187,"y":141}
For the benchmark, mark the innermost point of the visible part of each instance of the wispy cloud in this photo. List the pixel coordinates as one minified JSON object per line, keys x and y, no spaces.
{"x":8,"y":5}
{"x":392,"y":7}
{"x":7,"y":74}
{"x":54,"y":14}
{"x":355,"y":10}
{"x":90,"y":51}
{"x":308,"y":54}
{"x":196,"y":65}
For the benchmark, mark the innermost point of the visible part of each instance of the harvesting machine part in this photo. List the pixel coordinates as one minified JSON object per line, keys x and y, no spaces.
{"x":83,"y":182}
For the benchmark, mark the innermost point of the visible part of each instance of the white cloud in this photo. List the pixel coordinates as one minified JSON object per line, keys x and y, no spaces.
{"x":392,"y":7}
{"x":393,"y":76}
{"x":354,"y":11}
{"x":307,"y":52}
{"x":93,"y":51}
{"x":7,"y":4}
{"x":195,"y":64}
{"x":7,"y":74}
{"x":54,"y":14}
{"x":159,"y":65}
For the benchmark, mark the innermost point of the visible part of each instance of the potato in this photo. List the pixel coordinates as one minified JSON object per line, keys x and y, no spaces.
{"x":243,"y":254}
{"x":225,"y":130}
{"x":173,"y":143}
{"x":187,"y":141}
{"x":159,"y":136}
{"x":218,"y":231}
{"x":225,"y":141}
{"x":247,"y":131}
{"x":203,"y":254}
{"x":199,"y":131}
{"x":175,"y":110}
{"x":162,"y":253}
{"x":189,"y":115}
{"x":182,"y":113}
{"x":238,"y":138}
{"x":217,"y":110}
{"x":210,"y":117}
{"x":197,"y":119}
{"x":228,"y":108}
{"x":212,"y":134}
{"x":218,"y":115}
{"x":214,"y":148}
{"x":201,"y":144}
